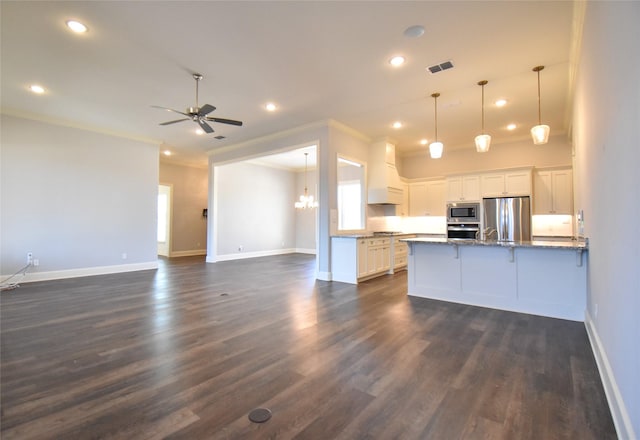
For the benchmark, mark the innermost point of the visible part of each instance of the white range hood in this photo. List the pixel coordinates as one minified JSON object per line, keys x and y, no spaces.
{"x":384,"y":186}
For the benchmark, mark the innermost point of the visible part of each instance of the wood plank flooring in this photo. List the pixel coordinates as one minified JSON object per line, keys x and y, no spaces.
{"x":187,"y":351}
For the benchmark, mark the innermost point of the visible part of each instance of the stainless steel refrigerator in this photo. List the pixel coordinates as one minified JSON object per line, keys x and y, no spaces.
{"x":507,"y":219}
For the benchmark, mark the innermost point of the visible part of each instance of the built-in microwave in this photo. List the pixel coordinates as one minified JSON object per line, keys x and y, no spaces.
{"x":463,"y":213}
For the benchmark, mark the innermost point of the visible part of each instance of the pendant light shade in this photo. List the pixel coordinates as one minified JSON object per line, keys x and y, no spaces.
{"x":539,"y":133}
{"x":306,"y":201}
{"x":435,"y":148}
{"x":483,"y":141}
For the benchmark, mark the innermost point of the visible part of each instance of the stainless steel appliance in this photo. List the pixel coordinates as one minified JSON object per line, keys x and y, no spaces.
{"x":507,"y":219}
{"x":463,"y":212}
{"x":463,"y":231}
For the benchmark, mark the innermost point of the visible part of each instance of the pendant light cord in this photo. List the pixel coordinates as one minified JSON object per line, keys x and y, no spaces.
{"x":482,"y":108}
{"x":539,"y":114}
{"x":435,"y":105}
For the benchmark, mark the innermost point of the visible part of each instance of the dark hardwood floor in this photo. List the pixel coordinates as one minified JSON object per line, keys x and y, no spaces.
{"x":187,"y":351}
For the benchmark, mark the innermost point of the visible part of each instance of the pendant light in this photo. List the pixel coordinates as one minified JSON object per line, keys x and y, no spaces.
{"x":435,"y":148}
{"x":483,"y":141}
{"x":306,"y":201}
{"x":539,"y":133}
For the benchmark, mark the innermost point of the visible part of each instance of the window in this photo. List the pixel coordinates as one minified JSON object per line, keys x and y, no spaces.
{"x":351,"y":198}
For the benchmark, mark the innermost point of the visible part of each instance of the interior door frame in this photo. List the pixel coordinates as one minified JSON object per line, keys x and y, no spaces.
{"x":167,"y":252}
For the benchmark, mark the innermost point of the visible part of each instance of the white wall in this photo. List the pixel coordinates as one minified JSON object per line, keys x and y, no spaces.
{"x":607,"y":144}
{"x":188,"y":226}
{"x":509,"y":155}
{"x":254,"y":209}
{"x":77,"y":199}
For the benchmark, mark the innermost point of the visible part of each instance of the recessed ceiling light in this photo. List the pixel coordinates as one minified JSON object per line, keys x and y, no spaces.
{"x":501,"y":102}
{"x":511,"y":126}
{"x":270,"y":106}
{"x":35,"y":88}
{"x":414,"y":31}
{"x":424,"y":142}
{"x":397,"y":124}
{"x":76,"y":26}
{"x":167,"y":153}
{"x":199,"y":131}
{"x":396,"y":61}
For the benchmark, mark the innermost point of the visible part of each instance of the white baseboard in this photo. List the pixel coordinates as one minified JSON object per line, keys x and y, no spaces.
{"x":619,"y":412}
{"x":190,"y":253}
{"x":243,"y":255}
{"x":85,"y":272}
{"x":324,"y":276}
{"x":305,"y":251}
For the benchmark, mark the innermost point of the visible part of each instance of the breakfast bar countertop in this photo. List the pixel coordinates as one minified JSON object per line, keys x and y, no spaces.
{"x":581,"y":244}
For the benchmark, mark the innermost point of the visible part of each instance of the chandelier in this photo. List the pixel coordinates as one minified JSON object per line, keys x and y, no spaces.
{"x":306,"y":201}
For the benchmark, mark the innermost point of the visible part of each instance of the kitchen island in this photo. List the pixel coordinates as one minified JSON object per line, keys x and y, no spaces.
{"x":546,"y":278}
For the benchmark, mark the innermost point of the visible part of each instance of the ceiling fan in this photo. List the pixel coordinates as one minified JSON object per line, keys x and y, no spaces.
{"x":199,"y":114}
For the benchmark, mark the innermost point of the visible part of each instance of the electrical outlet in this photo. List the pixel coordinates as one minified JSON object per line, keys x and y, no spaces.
{"x":124,"y":255}
{"x":29,"y":257}
{"x":36,"y":262}
{"x":240,"y":248}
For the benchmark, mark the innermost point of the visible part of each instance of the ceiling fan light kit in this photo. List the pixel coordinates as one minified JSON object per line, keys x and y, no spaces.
{"x":199,"y":114}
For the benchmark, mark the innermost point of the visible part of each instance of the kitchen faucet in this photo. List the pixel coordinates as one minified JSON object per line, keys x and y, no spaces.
{"x":488,"y":232}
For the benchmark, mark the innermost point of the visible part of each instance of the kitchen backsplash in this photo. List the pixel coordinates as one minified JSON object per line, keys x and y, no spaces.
{"x":552,"y":225}
{"x":542,"y":225}
{"x":419,"y":225}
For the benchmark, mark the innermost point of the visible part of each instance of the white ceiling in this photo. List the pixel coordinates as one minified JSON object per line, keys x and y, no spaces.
{"x":316,"y":60}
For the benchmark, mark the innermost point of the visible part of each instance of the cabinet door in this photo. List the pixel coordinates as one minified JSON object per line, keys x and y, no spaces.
{"x":543,"y":194}
{"x":362,"y":258}
{"x":517,"y":183}
{"x":372,"y":253}
{"x":404,"y":208}
{"x":562,"y":186}
{"x":471,"y":188}
{"x":418,"y":199}
{"x":454,"y":189}
{"x":386,"y":257}
{"x":493,"y":185}
{"x":435,"y":203}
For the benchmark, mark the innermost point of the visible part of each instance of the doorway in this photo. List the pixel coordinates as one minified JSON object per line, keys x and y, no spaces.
{"x":164,"y":219}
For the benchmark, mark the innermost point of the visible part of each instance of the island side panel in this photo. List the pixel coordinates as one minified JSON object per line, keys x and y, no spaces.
{"x":551,"y":283}
{"x":434,"y":271}
{"x":489,"y":276}
{"x":344,"y":259}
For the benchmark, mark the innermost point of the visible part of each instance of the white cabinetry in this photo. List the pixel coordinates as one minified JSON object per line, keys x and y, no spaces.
{"x":509,"y":183}
{"x":427,"y":198}
{"x":553,"y":191}
{"x":463,"y":188}
{"x":355,"y":259}
{"x":403,"y":208}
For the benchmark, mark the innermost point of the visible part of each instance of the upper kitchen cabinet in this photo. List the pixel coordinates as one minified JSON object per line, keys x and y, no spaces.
{"x":463,"y":188}
{"x":553,"y":191}
{"x":384,"y":184}
{"x":427,"y":198}
{"x":507,"y":183}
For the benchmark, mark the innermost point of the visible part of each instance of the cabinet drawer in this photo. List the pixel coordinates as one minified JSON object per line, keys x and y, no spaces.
{"x":400,"y":261}
{"x":378,"y":241}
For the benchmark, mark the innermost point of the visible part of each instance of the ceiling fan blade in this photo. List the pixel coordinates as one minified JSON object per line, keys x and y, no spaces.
{"x":170,"y":109}
{"x":225,"y":121}
{"x":205,"y":109}
{"x":206,"y":127}
{"x":173,"y":122}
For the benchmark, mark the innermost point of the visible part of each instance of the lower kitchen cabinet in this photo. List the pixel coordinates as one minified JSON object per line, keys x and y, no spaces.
{"x":355,"y":259}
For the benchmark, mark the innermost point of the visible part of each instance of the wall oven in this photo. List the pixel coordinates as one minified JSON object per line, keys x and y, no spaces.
{"x":463,"y":231}
{"x":463,"y":213}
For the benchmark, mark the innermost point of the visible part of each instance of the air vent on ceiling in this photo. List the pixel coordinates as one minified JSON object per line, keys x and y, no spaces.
{"x":440,"y":67}
{"x":220,"y":137}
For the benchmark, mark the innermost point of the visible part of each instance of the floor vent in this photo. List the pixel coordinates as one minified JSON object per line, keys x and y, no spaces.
{"x":440,"y":67}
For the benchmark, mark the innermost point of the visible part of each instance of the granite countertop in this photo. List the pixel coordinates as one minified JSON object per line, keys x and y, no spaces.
{"x":376,"y":235}
{"x":581,"y":244}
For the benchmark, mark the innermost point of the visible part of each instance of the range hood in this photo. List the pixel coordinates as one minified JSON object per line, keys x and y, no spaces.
{"x":385,"y":187}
